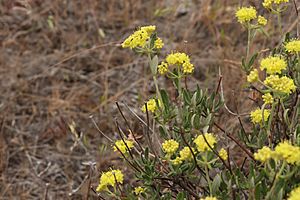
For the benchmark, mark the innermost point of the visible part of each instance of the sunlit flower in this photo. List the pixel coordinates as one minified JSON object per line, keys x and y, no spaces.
{"x":245,"y":14}
{"x":201,"y":143}
{"x":223,"y":154}
{"x":273,"y":64}
{"x":288,"y":152}
{"x":163,"y":68}
{"x":139,"y":37}
{"x":209,"y":198}
{"x":257,"y":115}
{"x":151,"y":105}
{"x":293,"y":46}
{"x":170,"y":146}
{"x":176,"y":161}
{"x":263,"y":154}
{"x":139,"y":190}
{"x":253,"y":76}
{"x":295,"y":194}
{"x":280,"y":84}
{"x":262,"y":20}
{"x":268,"y":3}
{"x":158,"y":44}
{"x":122,"y":147}
{"x":268,"y":98}
{"x":109,"y":179}
{"x":186,"y":154}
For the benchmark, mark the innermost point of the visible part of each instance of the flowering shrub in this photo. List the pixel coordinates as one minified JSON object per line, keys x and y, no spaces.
{"x":180,"y":155}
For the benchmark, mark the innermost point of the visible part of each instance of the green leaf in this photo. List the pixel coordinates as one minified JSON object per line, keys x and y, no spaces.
{"x":216,"y":184}
{"x":165,"y":99}
{"x":154,"y":64}
{"x":181,"y":196}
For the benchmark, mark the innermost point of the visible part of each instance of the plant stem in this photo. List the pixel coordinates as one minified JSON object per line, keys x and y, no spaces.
{"x":248,"y":41}
{"x":207,"y":174}
{"x":277,"y":175}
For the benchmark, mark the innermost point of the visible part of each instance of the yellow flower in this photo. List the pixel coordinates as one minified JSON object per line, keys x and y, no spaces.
{"x":267,"y":98}
{"x":209,"y":198}
{"x":253,"y":76}
{"x":273,"y":64}
{"x":280,"y":84}
{"x":223,"y":154}
{"x":202,"y":145}
{"x":139,"y":37}
{"x":245,"y":14}
{"x":268,"y":3}
{"x":288,"y":152}
{"x":151,"y":105}
{"x":109,"y":179}
{"x":295,"y":194}
{"x":121,"y":145}
{"x":188,"y":68}
{"x":176,"y":161}
{"x":257,"y":115}
{"x":158,"y":44}
{"x":177,"y":58}
{"x":162,"y":68}
{"x":263,"y":154}
{"x":139,"y":190}
{"x":262,"y":20}
{"x":293,"y":46}
{"x":186,"y":154}
{"x":170,"y":146}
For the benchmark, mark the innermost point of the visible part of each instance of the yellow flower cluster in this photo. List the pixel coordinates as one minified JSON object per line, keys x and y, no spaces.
{"x":180,"y":59}
{"x":263,"y":154}
{"x":209,"y":198}
{"x":162,"y":68}
{"x":223,"y":154}
{"x":176,"y":161}
{"x":201,"y":144}
{"x":151,"y":105}
{"x":140,"y":37}
{"x":281,"y":84}
{"x":253,"y":76}
{"x":273,"y":64}
{"x":295,"y":194}
{"x":109,"y":179}
{"x":268,"y":98}
{"x":138,"y":190}
{"x":184,"y":155}
{"x":293,"y":46}
{"x":283,"y":151}
{"x":170,"y":146}
{"x":122,"y":146}
{"x":158,"y":44}
{"x":268,"y":3}
{"x":257,"y":115}
{"x":262,"y":20}
{"x":245,"y":14}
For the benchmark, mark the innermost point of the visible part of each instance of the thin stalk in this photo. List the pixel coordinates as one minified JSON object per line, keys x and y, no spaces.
{"x":277,"y":176}
{"x":248,"y":41}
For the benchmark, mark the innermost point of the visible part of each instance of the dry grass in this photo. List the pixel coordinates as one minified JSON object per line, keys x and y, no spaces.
{"x":61,"y":62}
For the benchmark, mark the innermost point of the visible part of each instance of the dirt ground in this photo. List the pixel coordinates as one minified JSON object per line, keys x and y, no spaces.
{"x":61,"y":63}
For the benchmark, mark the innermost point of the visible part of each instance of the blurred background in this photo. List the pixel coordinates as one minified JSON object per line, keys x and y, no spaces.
{"x":61,"y":63}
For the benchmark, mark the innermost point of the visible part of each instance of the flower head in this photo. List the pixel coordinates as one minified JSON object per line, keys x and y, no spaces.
{"x":273,"y":64}
{"x":288,"y":152}
{"x":293,"y":46}
{"x":295,"y":194}
{"x":258,"y":115}
{"x":261,"y":20}
{"x":253,"y":76}
{"x":268,"y":98}
{"x":176,"y":161}
{"x":201,"y":143}
{"x":139,"y":37}
{"x":139,"y":190}
{"x":263,"y":154}
{"x":122,"y":146}
{"x":163,"y":68}
{"x":186,"y":154}
{"x":170,"y":146}
{"x":109,"y":179}
{"x":158,"y":44}
{"x":281,"y":84}
{"x":151,"y":105}
{"x":181,"y":59}
{"x":223,"y":154}
{"x":245,"y":14}
{"x":268,"y":3}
